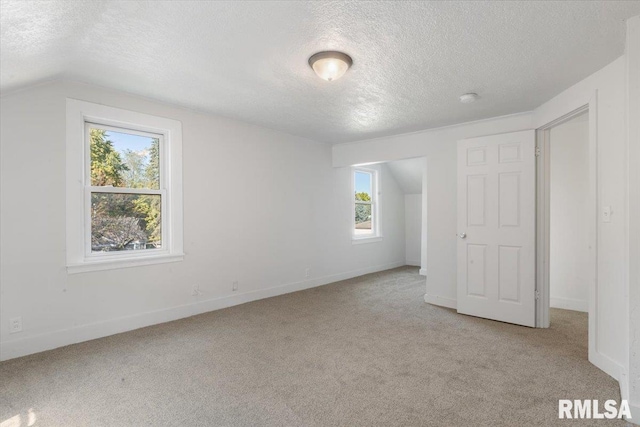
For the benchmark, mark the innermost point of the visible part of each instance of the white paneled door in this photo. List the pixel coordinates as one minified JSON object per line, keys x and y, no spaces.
{"x":496,"y":227}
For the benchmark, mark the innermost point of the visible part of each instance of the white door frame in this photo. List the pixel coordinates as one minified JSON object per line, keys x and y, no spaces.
{"x":543,"y":220}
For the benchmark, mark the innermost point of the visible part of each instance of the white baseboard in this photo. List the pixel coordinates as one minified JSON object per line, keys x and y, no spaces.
{"x":423,"y":271}
{"x":606,"y":364}
{"x":623,"y":380}
{"x":569,"y":304}
{"x":49,"y":341}
{"x":441,"y":301}
{"x":413,"y":262}
{"x":624,"y":395}
{"x":635,"y":414}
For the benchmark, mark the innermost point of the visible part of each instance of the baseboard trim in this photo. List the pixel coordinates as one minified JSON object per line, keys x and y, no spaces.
{"x":569,"y":304}
{"x":624,"y":395}
{"x":606,"y":364}
{"x":61,"y":338}
{"x":635,"y":414}
{"x":423,"y":272}
{"x":623,"y":380}
{"x":441,"y":301}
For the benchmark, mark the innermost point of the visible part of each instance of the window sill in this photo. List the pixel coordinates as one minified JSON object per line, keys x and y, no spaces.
{"x":122,"y":263}
{"x":362,"y":240}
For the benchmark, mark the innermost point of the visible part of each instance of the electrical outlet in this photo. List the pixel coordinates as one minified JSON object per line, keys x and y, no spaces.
{"x":235,"y":286}
{"x":307,"y":273}
{"x":15,"y":325}
{"x":606,"y":214}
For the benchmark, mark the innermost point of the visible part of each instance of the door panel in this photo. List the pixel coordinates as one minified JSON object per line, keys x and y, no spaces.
{"x":496,"y":227}
{"x":509,"y":274}
{"x":476,"y":270}
{"x":509,"y":199}
{"x":476,"y":199}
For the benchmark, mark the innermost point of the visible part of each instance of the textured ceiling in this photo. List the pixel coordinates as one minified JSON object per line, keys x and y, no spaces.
{"x":248,"y":60}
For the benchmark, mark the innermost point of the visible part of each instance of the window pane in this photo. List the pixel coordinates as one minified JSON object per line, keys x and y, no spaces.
{"x":122,"y":222}
{"x":363,"y":219}
{"x":121,"y":159}
{"x":363,"y":186}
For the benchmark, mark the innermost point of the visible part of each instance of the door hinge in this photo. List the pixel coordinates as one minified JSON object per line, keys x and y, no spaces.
{"x":537,"y":295}
{"x":537,"y":151}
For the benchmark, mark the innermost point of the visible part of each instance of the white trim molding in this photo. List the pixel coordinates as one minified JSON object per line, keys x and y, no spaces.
{"x":543,"y":181}
{"x":361,"y":240}
{"x":632,"y":288}
{"x":376,"y":228}
{"x":122,"y":263}
{"x":589,"y":104}
{"x":441,"y":301}
{"x":569,"y":304}
{"x":78,"y":191}
{"x":635,"y":413}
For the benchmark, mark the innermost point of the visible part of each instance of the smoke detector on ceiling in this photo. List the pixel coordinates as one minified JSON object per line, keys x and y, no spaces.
{"x":468,"y":98}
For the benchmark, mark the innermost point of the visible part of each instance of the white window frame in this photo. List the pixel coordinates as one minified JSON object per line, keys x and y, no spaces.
{"x":376,"y":234}
{"x":80,"y":116}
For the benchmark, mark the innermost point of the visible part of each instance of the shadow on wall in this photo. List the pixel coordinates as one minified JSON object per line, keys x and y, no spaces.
{"x":409,"y":174}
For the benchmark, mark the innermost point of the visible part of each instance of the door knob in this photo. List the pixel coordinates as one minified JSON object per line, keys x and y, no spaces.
{"x":463,"y":235}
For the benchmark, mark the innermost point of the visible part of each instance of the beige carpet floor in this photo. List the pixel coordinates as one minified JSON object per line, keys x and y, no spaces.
{"x":363,"y":352}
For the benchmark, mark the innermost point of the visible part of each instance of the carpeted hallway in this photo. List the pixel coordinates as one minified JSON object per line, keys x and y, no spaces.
{"x":363,"y":352}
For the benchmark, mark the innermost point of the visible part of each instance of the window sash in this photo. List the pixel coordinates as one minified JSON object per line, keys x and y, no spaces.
{"x":121,"y":129}
{"x":368,"y":204}
{"x":375,"y":226}
{"x":124,"y":190}
{"x":371,"y":183}
{"x":78,"y":114}
{"x":88,"y":125}
{"x":162,"y":192}
{"x":89,"y":254}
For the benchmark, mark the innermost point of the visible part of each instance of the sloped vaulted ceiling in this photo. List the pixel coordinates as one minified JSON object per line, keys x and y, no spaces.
{"x":248,"y":60}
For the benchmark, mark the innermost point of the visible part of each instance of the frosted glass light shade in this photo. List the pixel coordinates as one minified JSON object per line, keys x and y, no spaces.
{"x":330,"y":66}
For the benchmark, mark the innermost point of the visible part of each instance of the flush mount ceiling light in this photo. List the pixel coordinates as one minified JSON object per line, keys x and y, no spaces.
{"x":330,"y":65}
{"x":468,"y":98}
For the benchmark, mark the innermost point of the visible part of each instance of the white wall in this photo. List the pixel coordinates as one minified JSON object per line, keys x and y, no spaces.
{"x":569,"y":227}
{"x":408,"y":175}
{"x":439,"y":145}
{"x":439,"y":182}
{"x":413,"y":228}
{"x":631,"y":388}
{"x":260,"y":208}
{"x":607,"y":87}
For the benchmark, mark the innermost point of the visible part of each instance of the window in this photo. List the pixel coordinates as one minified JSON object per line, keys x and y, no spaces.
{"x":123,"y":177}
{"x":124,"y":188}
{"x":365,"y":204}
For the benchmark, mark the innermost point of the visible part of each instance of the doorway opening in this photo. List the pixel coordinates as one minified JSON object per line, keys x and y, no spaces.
{"x":566,"y":256}
{"x":409,"y":175}
{"x":568,"y":227}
